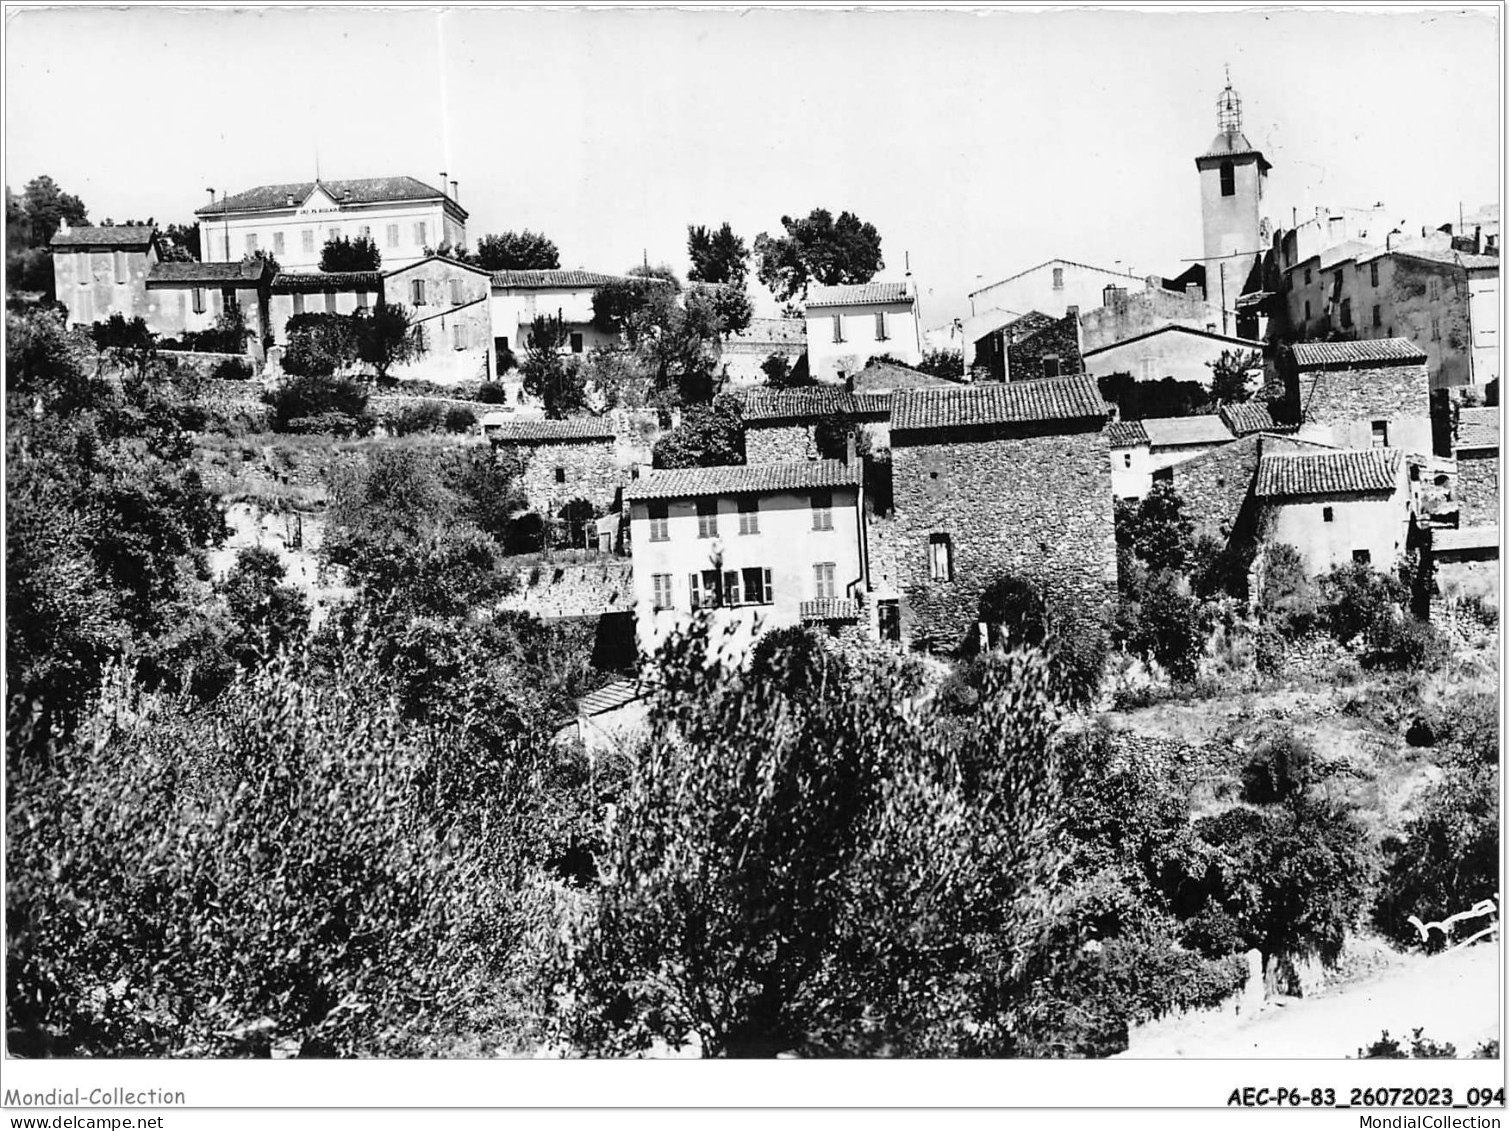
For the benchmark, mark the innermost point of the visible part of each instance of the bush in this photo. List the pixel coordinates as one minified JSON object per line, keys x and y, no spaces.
{"x":1403,"y":643}
{"x":1421,"y":1048}
{"x":492,"y":392}
{"x":1169,"y":626}
{"x":1279,"y":768}
{"x":314,"y":398}
{"x":1358,"y":600}
{"x":427,"y":416}
{"x":459,"y":418}
{"x":232,"y":369}
{"x":1288,"y":599}
{"x":320,"y":344}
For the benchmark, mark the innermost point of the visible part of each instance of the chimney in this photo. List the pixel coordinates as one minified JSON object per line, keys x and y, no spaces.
{"x":288,"y":199}
{"x":63,"y":225}
{"x":1193,"y":290}
{"x":1109,"y":295}
{"x":456,"y":196}
{"x":1153,"y":282}
{"x":1478,"y":239}
{"x":442,"y":182}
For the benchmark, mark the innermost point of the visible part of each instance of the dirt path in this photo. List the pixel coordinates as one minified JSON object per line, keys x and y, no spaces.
{"x":1452,"y":997}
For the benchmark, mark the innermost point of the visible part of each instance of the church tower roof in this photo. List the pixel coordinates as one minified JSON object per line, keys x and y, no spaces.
{"x":1230,"y":141}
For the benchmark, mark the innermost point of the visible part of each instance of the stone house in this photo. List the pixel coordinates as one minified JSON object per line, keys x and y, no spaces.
{"x":1144,"y":450}
{"x":1126,"y":313}
{"x":745,"y":352}
{"x":1182,"y":352}
{"x":764,"y":546}
{"x":1359,"y":394}
{"x":1027,"y":348}
{"x":453,"y":327}
{"x":98,"y":272}
{"x":995,"y":479}
{"x":1336,"y":507}
{"x":562,"y":462}
{"x":191,"y":296}
{"x":405,"y":217}
{"x":1216,"y":487}
{"x":848,"y":325}
{"x":1477,"y":450}
{"x":1466,"y":559}
{"x":782,"y":425}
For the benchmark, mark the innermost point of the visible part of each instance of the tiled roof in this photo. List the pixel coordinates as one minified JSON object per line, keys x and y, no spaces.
{"x":1478,"y":428}
{"x":857,"y":294}
{"x":119,"y":236}
{"x":246,"y":271}
{"x":1342,"y":252}
{"x":769,"y":406}
{"x":828,"y":608}
{"x":1380,"y":351}
{"x":1451,"y":258}
{"x":1231,"y":145}
{"x":1126,"y":433}
{"x":541,"y":280}
{"x":1177,"y":431}
{"x":1050,"y":398}
{"x":367,"y":190}
{"x":786,"y":331}
{"x":689,"y":482}
{"x":327,"y":281}
{"x":1465,"y":538}
{"x":574,"y":430}
{"x":1174,"y":328}
{"x":609,"y":697}
{"x":1328,"y":473}
{"x":880,"y":377}
{"x":1248,"y":417}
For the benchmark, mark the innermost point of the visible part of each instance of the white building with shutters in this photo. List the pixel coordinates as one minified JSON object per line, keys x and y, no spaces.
{"x":849,"y":325}
{"x":760,"y":547}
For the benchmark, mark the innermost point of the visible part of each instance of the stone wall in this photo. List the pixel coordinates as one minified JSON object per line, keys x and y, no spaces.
{"x":1027,"y":501}
{"x":786,"y":442}
{"x":1479,"y":488}
{"x":1340,"y":404}
{"x":1215,"y":485}
{"x":1128,"y":315}
{"x":589,"y":470}
{"x":385,"y":406}
{"x":1025,"y":357}
{"x":582,"y":589}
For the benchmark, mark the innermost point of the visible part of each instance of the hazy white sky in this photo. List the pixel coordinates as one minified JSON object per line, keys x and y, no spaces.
{"x":982,"y":142}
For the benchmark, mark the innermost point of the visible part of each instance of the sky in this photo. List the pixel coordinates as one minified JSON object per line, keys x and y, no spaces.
{"x":979,"y":142}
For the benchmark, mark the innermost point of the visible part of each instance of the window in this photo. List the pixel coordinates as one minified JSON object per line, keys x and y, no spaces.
{"x":1051,"y":365}
{"x":456,"y":296}
{"x":1433,"y":289}
{"x":1229,"y":179}
{"x":1127,"y":459}
{"x":120,"y":267}
{"x":277,"y":243}
{"x":251,"y":242}
{"x":364,"y":232}
{"x":417,"y":292}
{"x":707,"y":589}
{"x":732,"y":595}
{"x":1377,"y":320}
{"x":333,"y":234}
{"x":298,"y":303}
{"x":198,"y":300}
{"x":1059,"y":278}
{"x":749,"y":515}
{"x":1373,"y":273}
{"x":363,"y":298}
{"x":420,"y":239}
{"x":1347,"y":313}
{"x":707,"y":518}
{"x":823,"y":581}
{"x":1308,"y":310}
{"x":393,"y":235}
{"x":1362,"y":557}
{"x":695,"y":590}
{"x":661,"y":583}
{"x":330,"y":302}
{"x":307,"y":241}
{"x":880,"y":325}
{"x":576,"y":343}
{"x":1436,"y":330}
{"x":1308,"y":276}
{"x":1380,"y":433}
{"x":227,"y":297}
{"x":838,"y":328}
{"x":660,"y":525}
{"x":823,"y":510}
{"x":560,"y":475}
{"x":757,"y":585}
{"x":1326,"y":514}
{"x":940,"y":558}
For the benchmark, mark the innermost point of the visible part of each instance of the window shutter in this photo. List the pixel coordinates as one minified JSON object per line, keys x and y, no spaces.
{"x":769,"y":592}
{"x":694,"y":584}
{"x":731,"y":587}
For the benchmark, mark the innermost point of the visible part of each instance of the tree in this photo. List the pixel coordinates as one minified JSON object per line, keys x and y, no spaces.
{"x":385,"y":337}
{"x":318,"y":344}
{"x":317,"y":404}
{"x":782,"y":374}
{"x":708,"y":436}
{"x":1229,"y":375}
{"x":818,"y":249}
{"x":819,"y":872}
{"x":343,"y":254}
{"x":1156,"y":529}
{"x":180,"y":243}
{"x":46,"y":206}
{"x":717,"y":256}
{"x":517,"y":251}
{"x":267,"y":615}
{"x":546,"y":374}
{"x":949,"y":364}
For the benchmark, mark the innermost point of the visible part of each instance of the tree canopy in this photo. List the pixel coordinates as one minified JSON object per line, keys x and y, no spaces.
{"x":517,"y":251}
{"x":343,"y":254}
{"x":718,"y":256}
{"x":818,"y":249}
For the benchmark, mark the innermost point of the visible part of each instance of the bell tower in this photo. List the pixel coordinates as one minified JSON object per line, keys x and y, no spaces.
{"x":1233,"y":173}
